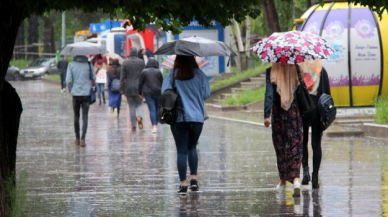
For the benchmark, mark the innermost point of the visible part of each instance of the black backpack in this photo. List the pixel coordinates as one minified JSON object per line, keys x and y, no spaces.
{"x":326,"y":108}
{"x":168,"y":105}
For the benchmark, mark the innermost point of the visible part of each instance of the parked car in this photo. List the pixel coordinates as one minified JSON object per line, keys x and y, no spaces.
{"x":13,"y":73}
{"x":40,"y":67}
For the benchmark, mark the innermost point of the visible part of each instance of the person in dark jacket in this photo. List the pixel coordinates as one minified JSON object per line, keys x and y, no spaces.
{"x":314,"y":75}
{"x":287,"y":136}
{"x":129,"y":85}
{"x":114,"y":98}
{"x":150,"y":84}
{"x":62,"y":68}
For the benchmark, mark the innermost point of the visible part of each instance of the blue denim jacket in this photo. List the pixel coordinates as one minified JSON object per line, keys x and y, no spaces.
{"x":193,"y":92}
{"x":271,"y":95}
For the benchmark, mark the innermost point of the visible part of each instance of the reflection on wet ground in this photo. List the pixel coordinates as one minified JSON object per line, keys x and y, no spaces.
{"x":125,"y":173}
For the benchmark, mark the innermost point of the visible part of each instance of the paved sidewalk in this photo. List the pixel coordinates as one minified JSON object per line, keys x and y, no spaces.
{"x":125,"y":173}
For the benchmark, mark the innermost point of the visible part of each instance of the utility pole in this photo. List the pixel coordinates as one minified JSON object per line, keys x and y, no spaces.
{"x":63,"y":29}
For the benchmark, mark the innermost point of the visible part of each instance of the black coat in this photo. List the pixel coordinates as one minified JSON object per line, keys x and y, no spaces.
{"x":272,"y":96}
{"x":62,"y":65}
{"x":151,"y":79}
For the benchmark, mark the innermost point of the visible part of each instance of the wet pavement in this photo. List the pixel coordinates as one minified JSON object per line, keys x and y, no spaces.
{"x":125,"y":173}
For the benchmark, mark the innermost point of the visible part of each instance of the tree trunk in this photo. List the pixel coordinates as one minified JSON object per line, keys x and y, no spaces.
{"x":235,"y":49}
{"x":248,"y":37}
{"x":10,"y":105}
{"x":49,"y":46}
{"x":33,"y":36}
{"x":271,"y":16}
{"x":240,"y":46}
{"x":308,"y":2}
{"x":20,"y":42}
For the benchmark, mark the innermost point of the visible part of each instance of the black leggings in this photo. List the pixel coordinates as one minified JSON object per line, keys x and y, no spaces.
{"x":78,"y":103}
{"x":315,"y":143}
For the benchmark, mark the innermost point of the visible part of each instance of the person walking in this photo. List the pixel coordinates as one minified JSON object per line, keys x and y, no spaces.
{"x":314,"y":76}
{"x":114,"y":96}
{"x":150,"y":84}
{"x":129,"y":85}
{"x":62,"y":68}
{"x":79,"y":79}
{"x":193,"y":88}
{"x":101,"y":79}
{"x":287,"y":136}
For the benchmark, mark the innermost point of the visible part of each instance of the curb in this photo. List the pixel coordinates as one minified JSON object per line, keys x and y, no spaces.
{"x":236,"y":120}
{"x":328,"y":134}
{"x":222,"y":108}
{"x":375,"y":130}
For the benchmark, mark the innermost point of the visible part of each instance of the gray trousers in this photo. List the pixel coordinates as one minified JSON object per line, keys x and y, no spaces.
{"x":135,"y":104}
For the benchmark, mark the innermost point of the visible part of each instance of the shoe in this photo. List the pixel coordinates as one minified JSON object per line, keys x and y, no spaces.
{"x":296,"y":192}
{"x":99,"y":102}
{"x":118,"y":112}
{"x":133,"y":128}
{"x":280,"y":187}
{"x":194,"y":185}
{"x":314,"y":181}
{"x":82,"y":143}
{"x":306,"y":176}
{"x":62,"y":91}
{"x":77,"y":142}
{"x":182,"y":190}
{"x":154,"y":130}
{"x":140,"y":123}
{"x":103,"y":100}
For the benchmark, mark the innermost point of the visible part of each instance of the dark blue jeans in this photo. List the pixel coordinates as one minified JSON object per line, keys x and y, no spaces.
{"x":63,"y":79}
{"x":153,"y":107}
{"x":186,"y":135}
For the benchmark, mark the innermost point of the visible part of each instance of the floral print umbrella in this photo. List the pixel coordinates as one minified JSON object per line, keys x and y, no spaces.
{"x":288,"y":47}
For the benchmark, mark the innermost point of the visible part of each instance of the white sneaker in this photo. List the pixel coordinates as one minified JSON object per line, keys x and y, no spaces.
{"x":296,"y":192}
{"x":278,"y":187}
{"x":154,"y":130}
{"x":62,"y":91}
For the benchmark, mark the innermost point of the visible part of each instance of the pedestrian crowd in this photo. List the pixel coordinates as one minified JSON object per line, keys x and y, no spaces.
{"x":137,"y":81}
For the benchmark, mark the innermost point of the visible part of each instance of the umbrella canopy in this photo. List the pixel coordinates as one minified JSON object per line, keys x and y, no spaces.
{"x":83,"y":48}
{"x":196,"y":46}
{"x":115,"y":56}
{"x":288,"y":47}
{"x":169,"y":62}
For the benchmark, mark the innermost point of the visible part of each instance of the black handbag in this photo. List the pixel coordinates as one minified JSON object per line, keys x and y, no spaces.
{"x":305,"y":102}
{"x":327,"y":110}
{"x":93,"y":87}
{"x":168,"y":105}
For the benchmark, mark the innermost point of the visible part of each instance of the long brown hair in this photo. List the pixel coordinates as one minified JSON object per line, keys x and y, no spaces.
{"x":185,"y":66}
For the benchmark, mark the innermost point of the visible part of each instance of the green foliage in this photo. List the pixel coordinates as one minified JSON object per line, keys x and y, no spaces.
{"x":382,"y":110}
{"x":17,"y":194}
{"x":55,"y":77}
{"x":246,"y":97}
{"x":245,"y":74}
{"x":20,"y":63}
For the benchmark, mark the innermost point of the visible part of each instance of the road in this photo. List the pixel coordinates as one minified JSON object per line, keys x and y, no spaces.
{"x":125,"y":173}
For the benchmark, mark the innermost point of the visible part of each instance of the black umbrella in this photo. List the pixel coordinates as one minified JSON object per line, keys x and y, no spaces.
{"x":196,"y":46}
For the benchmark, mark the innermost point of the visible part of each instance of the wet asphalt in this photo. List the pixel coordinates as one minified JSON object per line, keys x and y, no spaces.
{"x":126,"y":173}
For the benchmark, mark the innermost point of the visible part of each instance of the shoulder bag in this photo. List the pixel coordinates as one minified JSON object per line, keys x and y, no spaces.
{"x":93,"y":87}
{"x":327,"y":110}
{"x":168,"y":105}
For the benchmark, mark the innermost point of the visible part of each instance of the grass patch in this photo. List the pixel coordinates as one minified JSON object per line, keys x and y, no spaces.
{"x":17,"y":195}
{"x":54,"y":77}
{"x":245,"y":74}
{"x":382,"y":110}
{"x":20,"y":63}
{"x":246,"y":97}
